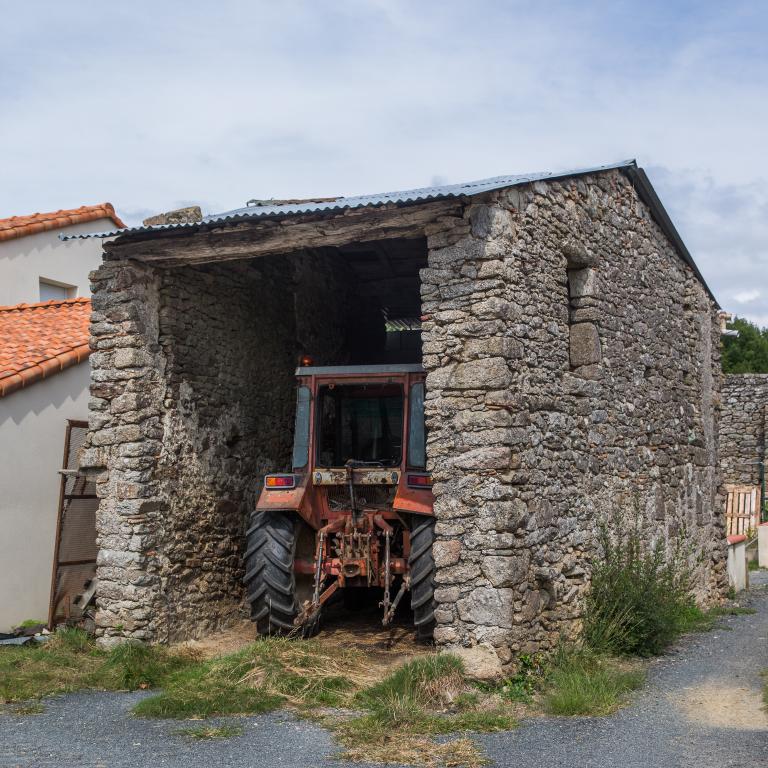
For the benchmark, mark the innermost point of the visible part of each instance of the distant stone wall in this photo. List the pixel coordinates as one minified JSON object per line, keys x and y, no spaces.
{"x":743,"y":427}
{"x":573,"y":373}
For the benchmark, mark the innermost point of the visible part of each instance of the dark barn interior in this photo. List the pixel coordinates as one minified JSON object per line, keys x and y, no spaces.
{"x":386,"y":278}
{"x":232,"y":335}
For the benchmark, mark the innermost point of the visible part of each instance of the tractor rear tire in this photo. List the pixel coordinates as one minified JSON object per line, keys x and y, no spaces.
{"x":422,"y":567}
{"x":270,"y":580}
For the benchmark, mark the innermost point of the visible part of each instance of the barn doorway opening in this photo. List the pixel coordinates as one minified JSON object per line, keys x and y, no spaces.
{"x":371,"y":292}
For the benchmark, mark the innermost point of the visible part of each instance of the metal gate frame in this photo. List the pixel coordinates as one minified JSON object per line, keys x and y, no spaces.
{"x":66,"y":473}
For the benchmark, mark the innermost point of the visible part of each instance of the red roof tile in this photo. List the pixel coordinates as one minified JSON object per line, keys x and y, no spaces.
{"x":38,"y":340}
{"x":19,"y":226}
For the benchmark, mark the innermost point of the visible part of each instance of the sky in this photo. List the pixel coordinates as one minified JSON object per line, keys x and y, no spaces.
{"x":153,"y":106}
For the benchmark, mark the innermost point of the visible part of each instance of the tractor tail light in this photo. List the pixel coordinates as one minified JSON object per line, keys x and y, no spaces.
{"x":419,"y":481}
{"x":280,"y":481}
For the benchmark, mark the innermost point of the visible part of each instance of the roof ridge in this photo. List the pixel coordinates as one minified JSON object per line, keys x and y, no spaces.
{"x":107,"y":206}
{"x":44,"y":304}
{"x":13,"y":227}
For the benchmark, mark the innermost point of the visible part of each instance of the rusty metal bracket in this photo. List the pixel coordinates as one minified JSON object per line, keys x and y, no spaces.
{"x":385,"y":603}
{"x":312,"y":611}
{"x":390,"y":614}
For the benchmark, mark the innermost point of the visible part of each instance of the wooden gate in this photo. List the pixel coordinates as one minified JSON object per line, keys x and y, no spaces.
{"x":742,"y":509}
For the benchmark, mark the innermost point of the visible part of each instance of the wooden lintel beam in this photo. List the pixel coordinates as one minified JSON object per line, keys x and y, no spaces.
{"x":252,"y":239}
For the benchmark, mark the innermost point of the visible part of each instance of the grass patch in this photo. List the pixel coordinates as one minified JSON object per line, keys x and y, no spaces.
{"x":211,"y":732}
{"x":133,"y":665}
{"x":431,"y":681}
{"x":64,"y":663}
{"x":204,"y":692}
{"x":368,"y":739}
{"x":424,"y":698}
{"x":582,"y":682}
{"x":72,"y":661}
{"x":697,"y":620}
{"x":26,"y":708}
{"x":263,"y":676}
{"x":765,"y":688}
{"x":399,"y":715}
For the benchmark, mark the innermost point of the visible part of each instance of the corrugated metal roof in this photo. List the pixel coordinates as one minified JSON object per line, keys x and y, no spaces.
{"x":405,"y":197}
{"x":414,"y":196}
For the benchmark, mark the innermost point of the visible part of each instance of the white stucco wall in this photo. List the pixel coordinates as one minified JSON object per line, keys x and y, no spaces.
{"x":24,"y":260}
{"x":32,"y":426}
{"x":738,"y":575}
{"x":762,"y":545}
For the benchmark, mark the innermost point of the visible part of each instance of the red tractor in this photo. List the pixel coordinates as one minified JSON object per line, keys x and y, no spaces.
{"x":356,"y":511}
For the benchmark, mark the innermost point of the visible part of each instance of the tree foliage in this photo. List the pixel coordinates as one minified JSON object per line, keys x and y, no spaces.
{"x":747,"y":352}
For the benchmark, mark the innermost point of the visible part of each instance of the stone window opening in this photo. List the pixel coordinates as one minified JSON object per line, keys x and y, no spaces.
{"x":585,"y":352}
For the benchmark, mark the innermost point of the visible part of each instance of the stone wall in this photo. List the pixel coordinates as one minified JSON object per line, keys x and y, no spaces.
{"x":192,"y":403}
{"x":573,"y":374}
{"x":743,"y":427}
{"x":229,"y":349}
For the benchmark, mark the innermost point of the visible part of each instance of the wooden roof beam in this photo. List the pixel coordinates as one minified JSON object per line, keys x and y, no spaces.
{"x":251,"y":239}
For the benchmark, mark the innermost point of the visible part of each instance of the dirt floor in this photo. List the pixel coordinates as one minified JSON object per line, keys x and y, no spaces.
{"x":359,"y":629}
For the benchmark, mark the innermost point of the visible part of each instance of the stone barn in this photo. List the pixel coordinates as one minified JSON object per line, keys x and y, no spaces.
{"x":572,"y":356}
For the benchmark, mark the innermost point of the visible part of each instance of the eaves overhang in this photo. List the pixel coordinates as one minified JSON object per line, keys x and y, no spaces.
{"x":341,"y":204}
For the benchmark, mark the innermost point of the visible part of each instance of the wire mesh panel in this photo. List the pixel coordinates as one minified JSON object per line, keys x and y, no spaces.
{"x":75,"y":553}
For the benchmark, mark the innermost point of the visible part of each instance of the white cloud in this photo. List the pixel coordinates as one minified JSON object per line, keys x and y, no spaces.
{"x":746,"y":297}
{"x":152,"y":104}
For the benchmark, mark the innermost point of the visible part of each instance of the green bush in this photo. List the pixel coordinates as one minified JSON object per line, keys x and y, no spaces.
{"x":747,"y":352}
{"x":640,"y":599}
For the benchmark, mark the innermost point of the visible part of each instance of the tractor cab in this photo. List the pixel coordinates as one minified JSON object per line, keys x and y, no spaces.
{"x":355,"y":512}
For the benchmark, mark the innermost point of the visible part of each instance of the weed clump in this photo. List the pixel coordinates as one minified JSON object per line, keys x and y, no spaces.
{"x":583,"y":682}
{"x":426,"y":697}
{"x":640,"y":599}
{"x":211,"y":732}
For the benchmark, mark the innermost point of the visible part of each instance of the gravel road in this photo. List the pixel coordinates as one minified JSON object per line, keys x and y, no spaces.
{"x":701,"y":708}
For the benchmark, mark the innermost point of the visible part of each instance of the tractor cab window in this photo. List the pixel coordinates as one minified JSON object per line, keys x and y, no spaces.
{"x":361,"y":422}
